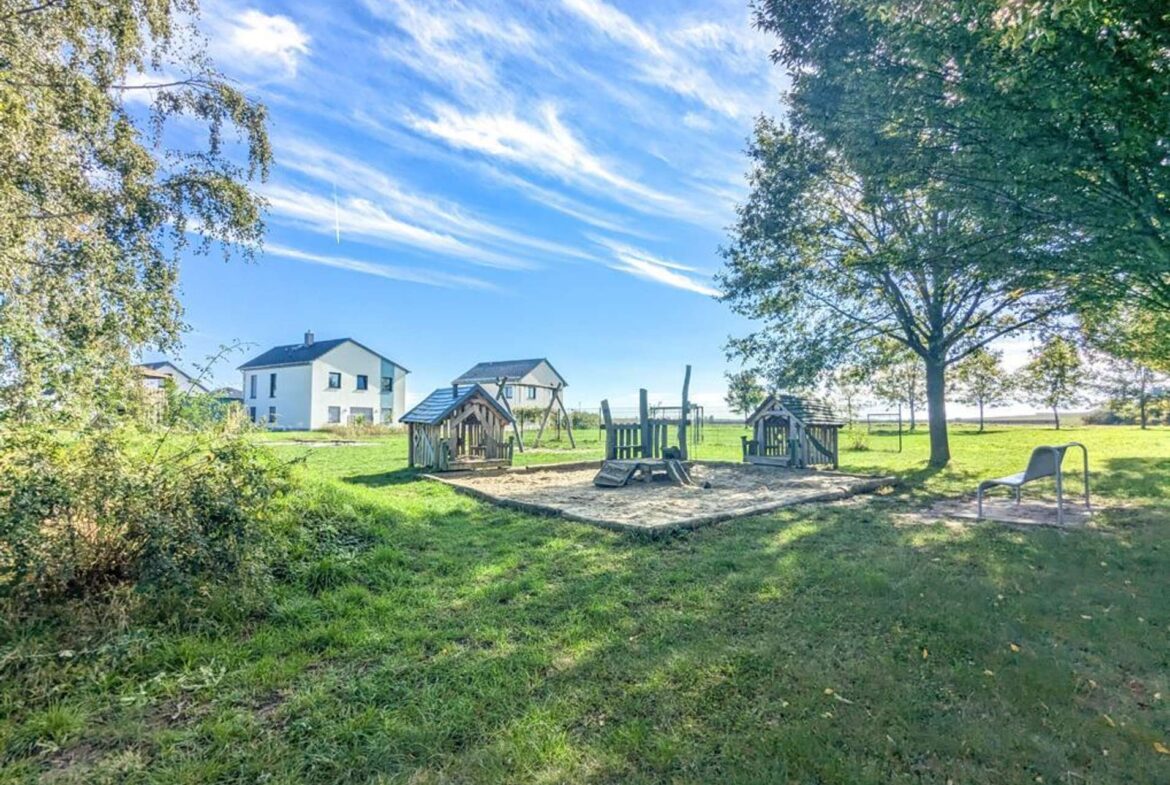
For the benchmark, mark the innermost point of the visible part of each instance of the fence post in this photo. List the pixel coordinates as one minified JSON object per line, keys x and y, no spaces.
{"x":610,"y":436}
{"x":684,"y":414}
{"x":644,"y":419}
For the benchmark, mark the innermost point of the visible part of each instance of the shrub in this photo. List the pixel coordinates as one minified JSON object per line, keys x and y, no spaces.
{"x":359,"y":428}
{"x":585,"y":420}
{"x":858,"y":441}
{"x":84,"y":513}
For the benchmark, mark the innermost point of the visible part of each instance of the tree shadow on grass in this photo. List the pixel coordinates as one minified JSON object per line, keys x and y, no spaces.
{"x":384,"y":479}
{"x":1132,"y":478}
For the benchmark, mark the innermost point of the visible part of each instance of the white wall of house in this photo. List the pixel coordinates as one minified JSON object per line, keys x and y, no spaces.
{"x":351,"y":360}
{"x":183,"y":382}
{"x":305,"y":400}
{"x":291,"y":400}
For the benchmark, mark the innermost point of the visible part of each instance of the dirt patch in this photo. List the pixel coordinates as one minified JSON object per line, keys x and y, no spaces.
{"x":735,"y":490}
{"x":318,"y":443}
{"x":1025,"y":515}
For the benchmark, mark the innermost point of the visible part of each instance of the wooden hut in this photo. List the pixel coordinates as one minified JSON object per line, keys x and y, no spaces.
{"x":459,"y":427}
{"x":788,"y":430}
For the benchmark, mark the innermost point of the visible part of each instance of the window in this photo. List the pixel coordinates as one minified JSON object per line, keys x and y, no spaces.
{"x":532,"y":393}
{"x":334,"y":380}
{"x":387,"y":384}
{"x":363,"y":382}
{"x":508,"y":391}
{"x":334,"y":414}
{"x":361,"y":415}
{"x":252,"y":388}
{"x":387,"y":416}
{"x":252,"y":411}
{"x":272,"y":414}
{"x":271,"y":385}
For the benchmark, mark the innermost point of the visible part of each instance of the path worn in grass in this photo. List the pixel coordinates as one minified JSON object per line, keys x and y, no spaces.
{"x":444,"y":640}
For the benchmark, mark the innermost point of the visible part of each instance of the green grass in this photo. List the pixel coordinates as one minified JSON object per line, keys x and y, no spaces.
{"x":438,"y":639}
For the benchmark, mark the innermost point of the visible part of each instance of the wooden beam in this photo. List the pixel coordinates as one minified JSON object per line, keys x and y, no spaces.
{"x":501,"y":382}
{"x":544,"y":421}
{"x":685,"y":415}
{"x":644,"y":420}
{"x":610,"y":434}
{"x":568,"y":419}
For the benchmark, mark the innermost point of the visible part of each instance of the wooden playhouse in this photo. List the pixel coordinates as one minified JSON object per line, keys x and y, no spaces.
{"x":788,"y":430}
{"x":459,"y":427}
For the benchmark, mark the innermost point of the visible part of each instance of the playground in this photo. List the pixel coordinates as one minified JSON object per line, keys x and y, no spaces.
{"x":718,"y":492}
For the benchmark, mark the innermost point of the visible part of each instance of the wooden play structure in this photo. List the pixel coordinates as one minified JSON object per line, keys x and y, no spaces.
{"x":650,"y":437}
{"x":652,"y":446}
{"x":788,"y":430}
{"x":524,"y":373}
{"x":459,"y":427}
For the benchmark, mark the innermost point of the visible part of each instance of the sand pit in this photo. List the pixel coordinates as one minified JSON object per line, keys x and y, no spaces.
{"x":1030,"y":513}
{"x":736,"y":490}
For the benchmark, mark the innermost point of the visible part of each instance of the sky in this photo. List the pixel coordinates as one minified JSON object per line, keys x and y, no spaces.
{"x":458,"y":181}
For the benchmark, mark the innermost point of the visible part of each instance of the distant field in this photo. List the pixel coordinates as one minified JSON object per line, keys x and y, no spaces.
{"x":428,"y":638}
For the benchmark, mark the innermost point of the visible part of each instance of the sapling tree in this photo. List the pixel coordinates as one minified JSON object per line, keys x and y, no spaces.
{"x":982,"y":381}
{"x":896,"y":375}
{"x":1052,"y":377}
{"x":744,"y":392}
{"x":828,"y":260}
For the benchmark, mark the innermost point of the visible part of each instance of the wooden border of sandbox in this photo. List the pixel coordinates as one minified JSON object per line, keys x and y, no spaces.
{"x":865,"y":484}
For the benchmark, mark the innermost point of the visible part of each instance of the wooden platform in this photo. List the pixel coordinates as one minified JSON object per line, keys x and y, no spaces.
{"x":617,"y":473}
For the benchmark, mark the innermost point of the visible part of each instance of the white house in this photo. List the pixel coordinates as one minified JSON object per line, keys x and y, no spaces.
{"x":525,"y":382}
{"x":313,"y":384}
{"x":184,"y":382}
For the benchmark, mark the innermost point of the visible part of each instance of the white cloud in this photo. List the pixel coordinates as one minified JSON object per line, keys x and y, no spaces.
{"x":671,"y":62}
{"x":256,"y":43}
{"x":647,"y":266}
{"x":549,"y":147}
{"x":330,"y":167}
{"x":363,"y":218}
{"x":392,"y":272}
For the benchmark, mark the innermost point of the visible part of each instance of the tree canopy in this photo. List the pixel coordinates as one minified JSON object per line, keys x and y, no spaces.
{"x":1052,"y":377}
{"x":98,"y":201}
{"x":1053,"y":110}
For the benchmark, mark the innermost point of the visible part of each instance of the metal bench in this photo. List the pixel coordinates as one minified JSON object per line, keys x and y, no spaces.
{"x":1046,"y":461}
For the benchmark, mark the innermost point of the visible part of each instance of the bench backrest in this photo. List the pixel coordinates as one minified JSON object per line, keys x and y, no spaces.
{"x":1044,"y":462}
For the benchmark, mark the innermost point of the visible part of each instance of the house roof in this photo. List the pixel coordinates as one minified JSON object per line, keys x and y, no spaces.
{"x":300,"y":353}
{"x":499,"y":369}
{"x":436,"y":406}
{"x":807,"y":410}
{"x":229,"y":392}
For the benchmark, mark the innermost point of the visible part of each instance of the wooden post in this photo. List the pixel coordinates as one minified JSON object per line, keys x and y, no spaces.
{"x":686,"y":413}
{"x":544,"y":419}
{"x":644,"y":420}
{"x":500,"y":383}
{"x":610,"y":436}
{"x":568,"y":419}
{"x":410,"y":445}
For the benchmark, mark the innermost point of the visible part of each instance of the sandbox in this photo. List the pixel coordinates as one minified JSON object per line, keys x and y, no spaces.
{"x":736,"y":490}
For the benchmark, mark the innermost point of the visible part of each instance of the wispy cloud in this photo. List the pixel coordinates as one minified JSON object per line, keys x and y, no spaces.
{"x":645,"y":265}
{"x":363,"y":218}
{"x":391,"y":272}
{"x":546,"y":145}
{"x":257,"y":43}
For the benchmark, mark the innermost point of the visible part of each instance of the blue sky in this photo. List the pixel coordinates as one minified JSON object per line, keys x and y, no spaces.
{"x":513,"y":179}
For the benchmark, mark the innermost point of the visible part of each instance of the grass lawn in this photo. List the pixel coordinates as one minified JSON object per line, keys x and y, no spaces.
{"x":438,"y":639}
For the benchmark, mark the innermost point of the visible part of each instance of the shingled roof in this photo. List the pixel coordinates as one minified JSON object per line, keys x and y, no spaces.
{"x":807,"y":410}
{"x":301,"y":353}
{"x":510,"y":369}
{"x":436,"y":406}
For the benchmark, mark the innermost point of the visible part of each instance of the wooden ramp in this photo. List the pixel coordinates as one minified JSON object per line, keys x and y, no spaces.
{"x":617,"y":473}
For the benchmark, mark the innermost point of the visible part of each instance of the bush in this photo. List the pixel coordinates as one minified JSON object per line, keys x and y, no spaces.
{"x":359,"y":428}
{"x":858,"y":441}
{"x":585,"y":420}
{"x":86,"y":513}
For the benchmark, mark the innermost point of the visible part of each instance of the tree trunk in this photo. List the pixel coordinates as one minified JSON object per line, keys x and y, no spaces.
{"x":936,"y":406}
{"x":913,"y":417}
{"x":1056,"y":417}
{"x":980,"y":416}
{"x":1142,"y":407}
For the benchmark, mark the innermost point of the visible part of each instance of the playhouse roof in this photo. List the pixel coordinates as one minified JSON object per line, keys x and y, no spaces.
{"x":438,"y":405}
{"x":808,"y":410}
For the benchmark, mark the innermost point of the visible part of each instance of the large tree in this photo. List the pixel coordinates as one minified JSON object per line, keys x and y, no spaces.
{"x":830,"y":260}
{"x":744,"y":392}
{"x":1056,"y":110}
{"x":99,"y":197}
